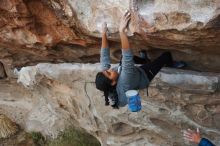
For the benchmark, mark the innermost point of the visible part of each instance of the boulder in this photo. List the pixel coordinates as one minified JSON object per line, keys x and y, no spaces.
{"x":55,"y":96}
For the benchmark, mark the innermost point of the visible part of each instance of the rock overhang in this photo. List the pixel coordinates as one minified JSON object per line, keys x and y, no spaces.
{"x":69,"y":31}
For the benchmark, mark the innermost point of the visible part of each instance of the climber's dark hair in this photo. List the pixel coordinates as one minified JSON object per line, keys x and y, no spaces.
{"x":104,"y":84}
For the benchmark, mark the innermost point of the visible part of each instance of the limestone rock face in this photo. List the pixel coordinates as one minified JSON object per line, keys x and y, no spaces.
{"x":33,"y":31}
{"x":55,"y":96}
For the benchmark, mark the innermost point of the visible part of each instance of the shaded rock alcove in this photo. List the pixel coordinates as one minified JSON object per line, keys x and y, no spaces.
{"x":2,"y":71}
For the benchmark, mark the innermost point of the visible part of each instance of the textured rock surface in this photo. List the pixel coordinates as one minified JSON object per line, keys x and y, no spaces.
{"x":33,"y":31}
{"x":58,"y":95}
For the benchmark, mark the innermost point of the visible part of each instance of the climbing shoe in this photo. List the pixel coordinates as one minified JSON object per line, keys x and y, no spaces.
{"x":178,"y":64}
{"x":143,"y":55}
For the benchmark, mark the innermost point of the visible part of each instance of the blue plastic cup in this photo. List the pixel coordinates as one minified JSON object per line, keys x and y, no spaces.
{"x":134,"y":100}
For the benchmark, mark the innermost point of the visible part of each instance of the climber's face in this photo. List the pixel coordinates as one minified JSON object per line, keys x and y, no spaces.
{"x":112,"y":75}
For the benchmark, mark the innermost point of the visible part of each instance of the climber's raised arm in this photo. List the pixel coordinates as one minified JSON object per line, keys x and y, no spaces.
{"x":105,"y":52}
{"x":123,"y":25}
{"x":104,"y":36}
{"x":127,"y":62}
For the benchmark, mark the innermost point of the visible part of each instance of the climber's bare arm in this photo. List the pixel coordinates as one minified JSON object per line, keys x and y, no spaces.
{"x":123,"y":25}
{"x":104,"y":36}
